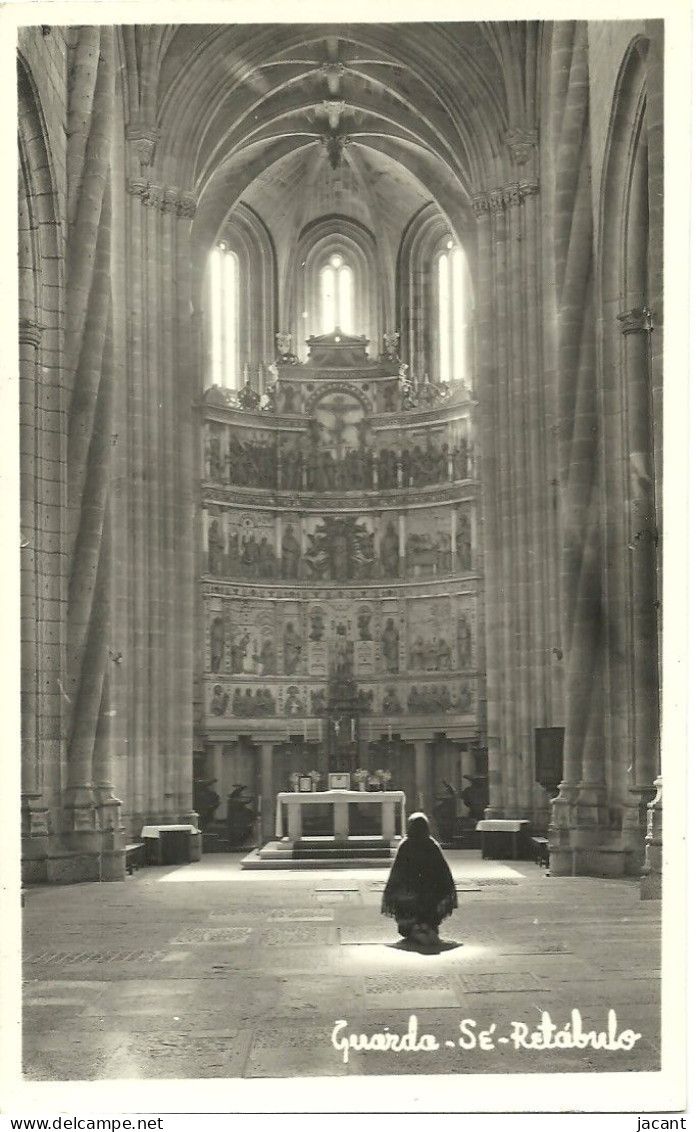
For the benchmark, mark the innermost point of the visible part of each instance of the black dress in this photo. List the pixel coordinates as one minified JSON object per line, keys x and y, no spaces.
{"x":420,"y":888}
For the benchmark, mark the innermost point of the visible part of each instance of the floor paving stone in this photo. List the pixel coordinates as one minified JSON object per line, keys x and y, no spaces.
{"x":204,"y":971}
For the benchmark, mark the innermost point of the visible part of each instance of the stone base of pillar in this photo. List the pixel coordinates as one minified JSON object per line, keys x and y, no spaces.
{"x":72,"y":868}
{"x":560,"y":861}
{"x":560,"y":846}
{"x":34,"y":841}
{"x":590,"y":816}
{"x":651,"y":876}
{"x":634,"y":826}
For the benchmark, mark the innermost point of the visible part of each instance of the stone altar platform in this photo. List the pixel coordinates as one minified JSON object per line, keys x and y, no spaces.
{"x":292,"y":849}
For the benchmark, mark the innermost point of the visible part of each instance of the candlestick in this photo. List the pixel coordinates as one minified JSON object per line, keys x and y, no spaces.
{"x":390,"y":732}
{"x":352,"y":730}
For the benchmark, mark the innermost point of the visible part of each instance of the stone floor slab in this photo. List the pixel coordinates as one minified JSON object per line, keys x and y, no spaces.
{"x":256,"y":980}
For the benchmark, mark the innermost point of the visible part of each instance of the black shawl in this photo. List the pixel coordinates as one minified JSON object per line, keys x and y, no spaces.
{"x":420,"y":877}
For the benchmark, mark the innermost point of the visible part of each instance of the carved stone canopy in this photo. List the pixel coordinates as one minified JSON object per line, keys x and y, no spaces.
{"x":337,"y":350}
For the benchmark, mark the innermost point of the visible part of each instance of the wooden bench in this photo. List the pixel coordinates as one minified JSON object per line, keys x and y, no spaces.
{"x":541,"y":851}
{"x":135,"y":857}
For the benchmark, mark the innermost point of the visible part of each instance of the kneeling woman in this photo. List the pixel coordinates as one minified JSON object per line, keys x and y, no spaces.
{"x":420,"y":890}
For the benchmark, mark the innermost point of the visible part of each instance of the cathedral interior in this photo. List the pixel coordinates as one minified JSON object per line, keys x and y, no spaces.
{"x":340,"y":410}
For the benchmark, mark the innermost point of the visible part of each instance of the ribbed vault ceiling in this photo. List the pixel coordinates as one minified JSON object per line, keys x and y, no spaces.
{"x":368,"y":121}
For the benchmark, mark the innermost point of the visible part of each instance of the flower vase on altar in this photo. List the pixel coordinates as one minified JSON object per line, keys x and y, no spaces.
{"x":360,"y":777}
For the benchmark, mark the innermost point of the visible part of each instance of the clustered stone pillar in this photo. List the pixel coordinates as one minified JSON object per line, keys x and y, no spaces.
{"x":34,"y":812}
{"x":579,"y":812}
{"x":423,"y":775}
{"x":160,"y":553}
{"x":93,"y":833}
{"x":515,"y":530}
{"x":267,"y":792}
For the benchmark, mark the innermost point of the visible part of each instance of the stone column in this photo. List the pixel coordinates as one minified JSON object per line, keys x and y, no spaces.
{"x":34,"y":811}
{"x":579,"y":811}
{"x":651,"y":876}
{"x":636,"y":326}
{"x":89,"y":377}
{"x":423,"y":775}
{"x":267,"y":792}
{"x":491,"y":609}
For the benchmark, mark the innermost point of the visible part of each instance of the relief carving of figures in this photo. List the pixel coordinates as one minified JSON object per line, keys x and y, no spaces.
{"x":215,"y":548}
{"x":252,"y":704}
{"x":251,"y":463}
{"x":343,"y":654}
{"x":214,"y":456}
{"x":463,"y":541}
{"x":292,"y":649}
{"x":389,"y":551}
{"x":464,"y":641}
{"x":267,"y":559}
{"x":444,"y":655}
{"x":365,"y":700}
{"x":248,"y":397}
{"x":421,"y":553}
{"x":267,"y":658}
{"x":234,"y":562}
{"x":238,"y":651}
{"x":461,"y":460}
{"x":340,"y":548}
{"x":443,"y":553}
{"x":217,"y":643}
{"x":431,"y":655}
{"x":219,"y":700}
{"x":249,"y":558}
{"x":290,"y":554}
{"x":417,"y":658}
{"x":293,"y":702}
{"x":390,"y":646}
{"x":289,"y":396}
{"x":316,"y":625}
{"x":318,"y":700}
{"x":391,"y":704}
{"x":387,"y":475}
{"x":436,"y":698}
{"x":365,"y":626}
{"x":291,"y":468}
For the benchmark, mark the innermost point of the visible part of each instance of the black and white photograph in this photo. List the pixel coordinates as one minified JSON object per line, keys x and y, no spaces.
{"x":349,"y":741}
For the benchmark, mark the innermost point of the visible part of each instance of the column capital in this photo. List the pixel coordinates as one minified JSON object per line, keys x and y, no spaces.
{"x":143,"y":137}
{"x":187,"y":205}
{"x":165,"y":198}
{"x":521,"y":142}
{"x":637,"y":320}
{"x":503,"y":197}
{"x":153,"y":197}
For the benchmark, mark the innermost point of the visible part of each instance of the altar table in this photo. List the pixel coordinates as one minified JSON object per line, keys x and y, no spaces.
{"x":339,"y":800}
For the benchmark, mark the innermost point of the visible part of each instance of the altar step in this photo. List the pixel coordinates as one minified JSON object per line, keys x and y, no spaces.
{"x":322,"y":853}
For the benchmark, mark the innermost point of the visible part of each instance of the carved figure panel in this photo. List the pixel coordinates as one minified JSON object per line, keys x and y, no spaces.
{"x":291,"y":552}
{"x":340,"y":548}
{"x":251,"y":545}
{"x":465,"y":628}
{"x":252,"y":702}
{"x":428,"y":542}
{"x":430,"y":636}
{"x":389,"y":548}
{"x":463,"y":538}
